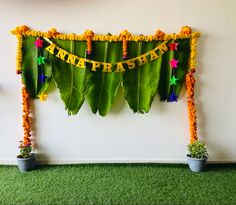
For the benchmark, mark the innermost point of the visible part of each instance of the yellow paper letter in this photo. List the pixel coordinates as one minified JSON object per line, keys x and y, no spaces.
{"x":131,"y":64}
{"x":71,"y":59}
{"x":61,"y":54}
{"x":95,"y":65}
{"x":153,"y":55}
{"x":81,"y":63}
{"x":51,"y":48}
{"x":107,"y":67}
{"x":142,"y":59}
{"x":120,"y":67}
{"x":163,"y":48}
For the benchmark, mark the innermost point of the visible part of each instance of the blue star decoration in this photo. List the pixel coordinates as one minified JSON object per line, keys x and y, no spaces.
{"x":40,"y":60}
{"x":42,"y":78}
{"x":172,"y":97}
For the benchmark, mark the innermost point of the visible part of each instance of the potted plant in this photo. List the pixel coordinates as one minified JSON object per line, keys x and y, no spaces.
{"x":197,"y":156}
{"x":26,"y":159}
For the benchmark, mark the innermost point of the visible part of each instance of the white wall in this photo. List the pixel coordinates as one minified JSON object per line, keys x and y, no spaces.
{"x":160,"y":135}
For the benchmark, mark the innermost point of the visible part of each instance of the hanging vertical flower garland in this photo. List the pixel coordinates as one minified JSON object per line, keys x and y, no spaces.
{"x":19,"y":31}
{"x":26,"y":118}
{"x":190,"y":83}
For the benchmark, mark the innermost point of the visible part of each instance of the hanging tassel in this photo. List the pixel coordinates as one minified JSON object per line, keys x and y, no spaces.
{"x":89,"y":34}
{"x":125,"y":35}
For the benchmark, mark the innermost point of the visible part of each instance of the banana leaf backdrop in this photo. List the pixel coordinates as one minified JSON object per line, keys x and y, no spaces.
{"x":140,"y":85}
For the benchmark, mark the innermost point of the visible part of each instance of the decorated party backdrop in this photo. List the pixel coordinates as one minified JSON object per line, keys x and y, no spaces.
{"x":95,"y":67}
{"x":161,"y":134}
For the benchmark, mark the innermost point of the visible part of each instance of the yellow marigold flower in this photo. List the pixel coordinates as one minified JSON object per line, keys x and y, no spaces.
{"x":89,"y":33}
{"x":125,"y":34}
{"x":159,"y":34}
{"x":186,"y":30}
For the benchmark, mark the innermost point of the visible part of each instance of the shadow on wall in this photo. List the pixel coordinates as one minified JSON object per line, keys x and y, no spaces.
{"x":201,"y":118}
{"x":215,"y":150}
{"x":40,"y":156}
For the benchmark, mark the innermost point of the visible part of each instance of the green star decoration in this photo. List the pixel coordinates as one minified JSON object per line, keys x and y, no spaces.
{"x":40,"y":60}
{"x":173,"y":80}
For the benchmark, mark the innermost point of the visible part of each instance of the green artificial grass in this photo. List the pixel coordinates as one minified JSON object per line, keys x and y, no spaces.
{"x":102,"y":184}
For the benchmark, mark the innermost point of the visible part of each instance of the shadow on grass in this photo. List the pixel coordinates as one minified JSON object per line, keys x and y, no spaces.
{"x":220,"y":167}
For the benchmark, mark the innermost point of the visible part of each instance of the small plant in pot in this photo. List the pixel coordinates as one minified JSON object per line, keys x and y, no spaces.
{"x":197,"y":156}
{"x":26,"y":159}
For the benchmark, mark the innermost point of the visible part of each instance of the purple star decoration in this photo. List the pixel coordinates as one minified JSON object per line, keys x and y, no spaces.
{"x":42,"y":78}
{"x":172,"y":97}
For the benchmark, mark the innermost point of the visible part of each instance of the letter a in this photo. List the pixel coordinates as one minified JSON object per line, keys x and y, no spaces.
{"x":51,"y":48}
{"x":120,"y":67}
{"x":81,"y":63}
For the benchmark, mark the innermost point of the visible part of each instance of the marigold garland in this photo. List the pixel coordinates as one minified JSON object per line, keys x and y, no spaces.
{"x":190,"y":82}
{"x":193,"y":53}
{"x":26,"y":118}
{"x":19,"y":56}
{"x":89,"y":35}
{"x":159,"y":35}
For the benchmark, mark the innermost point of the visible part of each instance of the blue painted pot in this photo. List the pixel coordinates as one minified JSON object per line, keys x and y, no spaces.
{"x":196,"y":164}
{"x":26,"y":164}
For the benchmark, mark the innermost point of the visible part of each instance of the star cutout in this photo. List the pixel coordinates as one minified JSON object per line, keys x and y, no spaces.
{"x":174,"y":63}
{"x":42,"y":97}
{"x":172,"y":97}
{"x":40,"y":60}
{"x":173,"y":46}
{"x":42,"y":78}
{"x":173,"y":80}
{"x":38,"y":43}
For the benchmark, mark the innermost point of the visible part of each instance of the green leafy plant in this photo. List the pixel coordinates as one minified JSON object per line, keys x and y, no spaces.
{"x":25,"y":150}
{"x":197,"y":149}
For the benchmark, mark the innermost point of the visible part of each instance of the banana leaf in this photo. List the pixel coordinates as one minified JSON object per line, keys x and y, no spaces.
{"x":166,"y":72}
{"x":31,"y":70}
{"x":69,"y":79}
{"x":102,"y":87}
{"x":140,"y":84}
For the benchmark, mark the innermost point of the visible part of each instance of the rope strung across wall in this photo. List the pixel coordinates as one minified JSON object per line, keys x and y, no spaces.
{"x":94,"y":67}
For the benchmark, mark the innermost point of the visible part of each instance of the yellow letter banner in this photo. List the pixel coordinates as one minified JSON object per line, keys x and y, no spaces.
{"x":79,"y":62}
